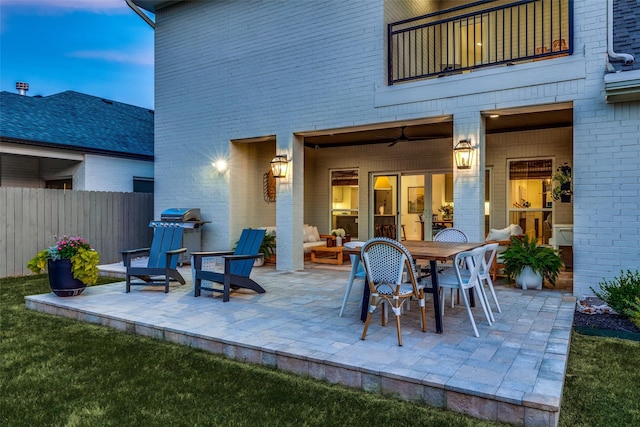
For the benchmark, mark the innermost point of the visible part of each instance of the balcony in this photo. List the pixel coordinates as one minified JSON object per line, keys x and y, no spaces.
{"x":474,"y":36}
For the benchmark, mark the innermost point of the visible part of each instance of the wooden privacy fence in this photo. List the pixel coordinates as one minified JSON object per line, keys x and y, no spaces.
{"x":31,"y":218}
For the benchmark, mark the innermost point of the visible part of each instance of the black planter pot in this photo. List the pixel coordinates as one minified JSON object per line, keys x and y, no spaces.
{"x":565,"y":198}
{"x":61,"y":279}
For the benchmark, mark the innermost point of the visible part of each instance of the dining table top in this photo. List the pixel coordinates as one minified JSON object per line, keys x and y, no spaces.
{"x":435,"y":251}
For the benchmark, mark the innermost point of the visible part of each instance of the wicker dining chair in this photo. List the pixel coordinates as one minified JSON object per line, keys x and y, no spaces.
{"x":384,"y":261}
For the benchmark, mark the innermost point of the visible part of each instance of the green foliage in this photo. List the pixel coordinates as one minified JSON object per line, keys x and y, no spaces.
{"x":84,"y":260}
{"x":38,"y":264}
{"x":621,"y":292}
{"x":268,"y":246}
{"x":85,"y":266}
{"x":634,"y":312}
{"x":524,"y":251}
{"x":561,"y":182}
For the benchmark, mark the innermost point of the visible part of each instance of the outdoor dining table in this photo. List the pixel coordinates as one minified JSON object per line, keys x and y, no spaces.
{"x":434,"y":252}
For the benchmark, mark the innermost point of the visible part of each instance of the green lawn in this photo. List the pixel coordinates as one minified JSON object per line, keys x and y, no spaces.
{"x":57,"y":371}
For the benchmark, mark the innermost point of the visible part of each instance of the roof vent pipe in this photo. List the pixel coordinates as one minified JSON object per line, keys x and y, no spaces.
{"x":628,"y":59}
{"x":22,"y":87}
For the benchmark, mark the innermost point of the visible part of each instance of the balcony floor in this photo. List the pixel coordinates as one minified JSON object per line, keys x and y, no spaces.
{"x":513,"y":373}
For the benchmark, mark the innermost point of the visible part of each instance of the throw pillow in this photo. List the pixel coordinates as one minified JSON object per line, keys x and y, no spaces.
{"x":502,"y":234}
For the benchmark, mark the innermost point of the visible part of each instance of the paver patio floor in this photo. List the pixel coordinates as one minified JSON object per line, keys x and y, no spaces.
{"x":513,"y":373}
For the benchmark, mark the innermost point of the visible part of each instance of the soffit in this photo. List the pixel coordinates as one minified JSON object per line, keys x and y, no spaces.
{"x":508,"y":120}
{"x":153,"y":5}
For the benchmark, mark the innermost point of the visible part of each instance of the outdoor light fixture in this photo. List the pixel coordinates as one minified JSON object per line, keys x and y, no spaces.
{"x":279,"y":166}
{"x":220,"y":165}
{"x":462,"y":151}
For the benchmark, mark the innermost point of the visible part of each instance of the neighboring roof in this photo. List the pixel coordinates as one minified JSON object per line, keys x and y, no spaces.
{"x":626,"y":32}
{"x":77,"y":121}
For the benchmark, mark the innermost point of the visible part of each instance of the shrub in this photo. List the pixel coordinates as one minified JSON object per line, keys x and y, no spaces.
{"x":621,"y":292}
{"x":634,"y":312}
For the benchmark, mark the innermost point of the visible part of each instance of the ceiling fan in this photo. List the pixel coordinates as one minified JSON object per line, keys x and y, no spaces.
{"x":401,"y":138}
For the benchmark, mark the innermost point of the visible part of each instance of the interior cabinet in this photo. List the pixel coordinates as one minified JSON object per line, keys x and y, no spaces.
{"x":337,"y":193}
{"x":448,"y":188}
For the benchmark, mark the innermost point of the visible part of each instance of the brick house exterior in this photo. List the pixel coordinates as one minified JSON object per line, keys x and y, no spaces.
{"x":74,"y":140}
{"x":245,"y":81}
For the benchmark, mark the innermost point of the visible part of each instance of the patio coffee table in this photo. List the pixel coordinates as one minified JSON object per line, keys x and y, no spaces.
{"x":335,"y":256}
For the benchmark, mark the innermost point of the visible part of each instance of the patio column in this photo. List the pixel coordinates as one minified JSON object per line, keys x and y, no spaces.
{"x":290,"y":204}
{"x":468,"y":184}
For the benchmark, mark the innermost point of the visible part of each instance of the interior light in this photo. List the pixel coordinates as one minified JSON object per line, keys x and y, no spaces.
{"x":382,"y":183}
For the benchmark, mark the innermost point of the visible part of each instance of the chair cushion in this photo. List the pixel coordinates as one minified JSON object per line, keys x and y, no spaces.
{"x":405,"y":289}
{"x":316,"y":234}
{"x":502,"y":234}
{"x":308,"y":232}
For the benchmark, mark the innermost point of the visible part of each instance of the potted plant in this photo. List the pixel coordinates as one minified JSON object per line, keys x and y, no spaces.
{"x":268,"y":247}
{"x":562,"y":184}
{"x":447,"y":211}
{"x":530,"y":263}
{"x":339,"y":234}
{"x":71,"y":263}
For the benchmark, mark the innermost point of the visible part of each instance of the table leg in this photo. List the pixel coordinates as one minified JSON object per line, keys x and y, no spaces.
{"x":436,"y":295}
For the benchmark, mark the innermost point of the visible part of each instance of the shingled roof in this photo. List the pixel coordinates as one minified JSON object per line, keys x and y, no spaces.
{"x":77,"y":121}
{"x":626,"y":33}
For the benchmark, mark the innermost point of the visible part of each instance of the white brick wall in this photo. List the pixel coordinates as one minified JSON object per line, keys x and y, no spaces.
{"x":102,"y":173}
{"x":225,"y":71}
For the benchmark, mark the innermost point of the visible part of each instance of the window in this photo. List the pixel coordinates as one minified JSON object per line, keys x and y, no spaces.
{"x":345,"y":200}
{"x":60,"y":184}
{"x":529,"y":197}
{"x":142,"y":185}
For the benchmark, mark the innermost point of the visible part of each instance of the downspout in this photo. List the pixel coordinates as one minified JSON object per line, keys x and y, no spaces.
{"x":142,"y":15}
{"x":628,"y":59}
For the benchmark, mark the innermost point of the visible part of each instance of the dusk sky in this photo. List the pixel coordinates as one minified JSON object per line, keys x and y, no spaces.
{"x":96,"y":47}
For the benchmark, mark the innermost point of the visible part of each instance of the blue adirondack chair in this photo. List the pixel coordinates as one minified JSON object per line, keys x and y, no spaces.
{"x":163,"y":258}
{"x":237,"y":266}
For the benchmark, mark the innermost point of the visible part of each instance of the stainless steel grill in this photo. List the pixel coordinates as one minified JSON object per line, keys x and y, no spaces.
{"x":191,"y":221}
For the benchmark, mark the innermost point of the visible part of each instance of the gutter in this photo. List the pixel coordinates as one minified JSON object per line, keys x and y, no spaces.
{"x":140,"y":13}
{"x":628,"y":59}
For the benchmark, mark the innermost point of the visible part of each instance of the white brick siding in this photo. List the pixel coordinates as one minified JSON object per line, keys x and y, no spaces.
{"x":226,"y":71}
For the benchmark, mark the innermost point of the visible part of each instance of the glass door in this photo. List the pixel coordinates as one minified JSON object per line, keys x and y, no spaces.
{"x":345,"y":200}
{"x":529,"y":197}
{"x":384,"y":207}
{"x":414,"y":191}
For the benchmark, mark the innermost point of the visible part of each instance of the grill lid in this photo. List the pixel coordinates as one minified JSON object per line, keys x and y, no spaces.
{"x":180,"y":214}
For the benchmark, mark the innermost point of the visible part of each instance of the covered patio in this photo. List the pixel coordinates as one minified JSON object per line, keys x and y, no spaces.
{"x":513,"y":373}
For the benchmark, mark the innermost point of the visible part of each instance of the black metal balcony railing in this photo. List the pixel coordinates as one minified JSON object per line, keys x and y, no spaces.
{"x":474,"y":36}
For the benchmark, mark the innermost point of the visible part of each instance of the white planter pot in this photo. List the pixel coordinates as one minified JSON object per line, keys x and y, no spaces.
{"x":528,"y":279}
{"x":259,"y":262}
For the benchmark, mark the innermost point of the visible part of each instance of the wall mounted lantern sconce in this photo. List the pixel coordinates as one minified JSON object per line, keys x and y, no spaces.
{"x":279,"y":166}
{"x":462,"y":152}
{"x":220,"y":165}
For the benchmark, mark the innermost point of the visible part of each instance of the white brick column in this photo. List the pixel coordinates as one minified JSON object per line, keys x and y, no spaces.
{"x":468,"y":184}
{"x":290,"y":204}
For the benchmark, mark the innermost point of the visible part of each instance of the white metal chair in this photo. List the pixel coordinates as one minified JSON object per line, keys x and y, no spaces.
{"x":450,"y":235}
{"x":484,"y":276}
{"x":357,"y":271}
{"x":463,"y":281}
{"x":384,"y":262}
